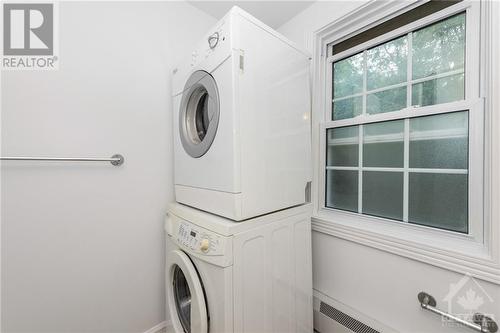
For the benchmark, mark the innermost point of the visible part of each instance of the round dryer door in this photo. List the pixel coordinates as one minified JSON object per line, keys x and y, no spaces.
{"x":185,"y":296}
{"x":199,"y":113}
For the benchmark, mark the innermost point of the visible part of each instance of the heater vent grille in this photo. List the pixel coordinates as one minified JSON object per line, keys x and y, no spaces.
{"x":345,"y":320}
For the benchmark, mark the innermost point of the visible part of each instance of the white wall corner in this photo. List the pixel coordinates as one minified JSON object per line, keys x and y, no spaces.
{"x":163,"y":327}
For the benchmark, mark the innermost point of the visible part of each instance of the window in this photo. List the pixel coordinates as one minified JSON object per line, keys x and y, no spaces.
{"x":369,"y":172}
{"x":406,"y":161}
{"x":399,"y":132}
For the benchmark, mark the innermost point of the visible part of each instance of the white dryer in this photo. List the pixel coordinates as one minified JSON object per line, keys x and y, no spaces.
{"x":224,"y":277}
{"x":242,"y":121}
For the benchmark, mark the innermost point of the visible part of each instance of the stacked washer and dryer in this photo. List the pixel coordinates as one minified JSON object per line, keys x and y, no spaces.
{"x":239,"y":235}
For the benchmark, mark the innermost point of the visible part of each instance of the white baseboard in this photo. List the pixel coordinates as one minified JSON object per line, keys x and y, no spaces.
{"x":169,"y":327}
{"x":162,"y":327}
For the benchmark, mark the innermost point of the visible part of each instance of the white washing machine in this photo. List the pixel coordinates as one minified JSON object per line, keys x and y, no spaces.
{"x":242,"y":121}
{"x":249,"y":277}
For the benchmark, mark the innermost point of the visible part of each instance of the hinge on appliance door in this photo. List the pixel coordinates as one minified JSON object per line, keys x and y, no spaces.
{"x":242,"y":60}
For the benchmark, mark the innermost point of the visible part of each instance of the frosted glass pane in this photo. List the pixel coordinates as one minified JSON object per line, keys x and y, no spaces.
{"x":383,"y":144}
{"x":439,"y":48}
{"x":386,"y":101}
{"x":347,"y":108}
{"x":383,"y":194}
{"x":386,"y":64}
{"x":348,"y":76}
{"x":439,"y":141}
{"x":436,"y":91}
{"x":438,"y":200}
{"x":342,"y":146}
{"x":342,"y":189}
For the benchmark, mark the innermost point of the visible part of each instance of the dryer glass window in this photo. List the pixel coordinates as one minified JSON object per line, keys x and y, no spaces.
{"x":202,"y":119}
{"x":182,"y":296}
{"x":199,"y":114}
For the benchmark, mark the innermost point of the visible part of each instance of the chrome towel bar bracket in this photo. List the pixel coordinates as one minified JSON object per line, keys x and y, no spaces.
{"x":115,"y":160}
{"x":481,"y":323}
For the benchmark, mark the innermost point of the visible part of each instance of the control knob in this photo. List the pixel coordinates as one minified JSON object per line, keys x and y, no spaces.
{"x":204,"y":245}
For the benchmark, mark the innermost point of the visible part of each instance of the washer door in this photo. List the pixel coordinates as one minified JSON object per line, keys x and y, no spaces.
{"x":186,"y":300}
{"x":199,"y":113}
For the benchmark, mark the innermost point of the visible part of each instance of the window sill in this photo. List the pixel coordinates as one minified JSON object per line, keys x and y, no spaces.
{"x":444,"y":249}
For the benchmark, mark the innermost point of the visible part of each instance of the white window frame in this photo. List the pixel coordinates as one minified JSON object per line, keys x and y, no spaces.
{"x":477,"y":252}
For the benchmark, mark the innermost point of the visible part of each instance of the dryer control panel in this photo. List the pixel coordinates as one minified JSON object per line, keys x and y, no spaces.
{"x":214,"y":48}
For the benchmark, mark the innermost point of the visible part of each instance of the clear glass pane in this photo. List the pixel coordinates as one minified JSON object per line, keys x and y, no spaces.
{"x":383,"y":144}
{"x":342,"y":146}
{"x":383,"y":194}
{"x":438,"y":200}
{"x":342,"y":189}
{"x":443,"y":90}
{"x":440,"y":141}
{"x":386,"y":64}
{"x":439,"y":48}
{"x":347,"y":108}
{"x":348,"y":76}
{"x":386,"y":101}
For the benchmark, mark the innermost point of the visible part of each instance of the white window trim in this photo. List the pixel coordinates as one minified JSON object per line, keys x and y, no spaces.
{"x":477,"y":253}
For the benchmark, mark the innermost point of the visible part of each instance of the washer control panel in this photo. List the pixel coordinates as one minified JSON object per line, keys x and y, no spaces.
{"x":198,"y":239}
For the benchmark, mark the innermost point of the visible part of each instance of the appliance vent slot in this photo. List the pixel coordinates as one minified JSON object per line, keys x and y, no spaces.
{"x":345,"y":320}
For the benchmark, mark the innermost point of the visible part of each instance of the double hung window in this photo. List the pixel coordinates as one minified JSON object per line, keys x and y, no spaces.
{"x":403,"y":125}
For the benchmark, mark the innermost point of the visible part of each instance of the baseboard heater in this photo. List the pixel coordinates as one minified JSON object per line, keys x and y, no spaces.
{"x":345,"y":320}
{"x":331,"y":316}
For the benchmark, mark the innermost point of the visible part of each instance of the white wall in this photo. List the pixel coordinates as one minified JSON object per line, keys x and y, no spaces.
{"x":83,"y":244}
{"x":300,"y":28}
{"x":375,"y":283}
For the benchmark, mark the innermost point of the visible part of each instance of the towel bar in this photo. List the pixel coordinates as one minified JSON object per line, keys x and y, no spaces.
{"x":481,"y":322}
{"x":115,"y":160}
